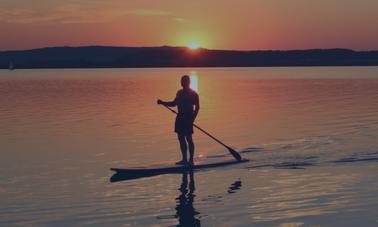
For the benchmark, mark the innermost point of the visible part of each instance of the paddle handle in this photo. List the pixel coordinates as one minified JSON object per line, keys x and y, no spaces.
{"x":220,"y":142}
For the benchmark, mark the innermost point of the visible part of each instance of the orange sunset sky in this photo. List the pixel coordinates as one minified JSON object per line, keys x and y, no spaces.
{"x":216,"y":24}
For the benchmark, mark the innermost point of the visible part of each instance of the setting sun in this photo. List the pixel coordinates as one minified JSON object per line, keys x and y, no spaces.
{"x":193,"y":45}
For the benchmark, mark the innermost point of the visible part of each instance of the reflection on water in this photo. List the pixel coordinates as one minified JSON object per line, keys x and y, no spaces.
{"x":194,"y":84}
{"x":185,"y":211}
{"x":234,"y":187}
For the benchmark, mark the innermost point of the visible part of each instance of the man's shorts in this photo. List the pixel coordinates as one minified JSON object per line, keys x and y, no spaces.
{"x":184,"y":124}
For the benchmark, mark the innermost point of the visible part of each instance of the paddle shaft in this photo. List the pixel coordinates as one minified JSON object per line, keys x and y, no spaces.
{"x":232,"y":151}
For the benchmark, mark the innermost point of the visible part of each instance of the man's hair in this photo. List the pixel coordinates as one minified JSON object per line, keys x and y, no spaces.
{"x":185,"y":81}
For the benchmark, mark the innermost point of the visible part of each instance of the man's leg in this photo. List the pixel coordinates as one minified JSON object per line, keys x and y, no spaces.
{"x":191,"y":148}
{"x":183,"y":148}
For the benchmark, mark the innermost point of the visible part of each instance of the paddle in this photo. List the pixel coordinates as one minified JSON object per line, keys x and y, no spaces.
{"x":232,"y":151}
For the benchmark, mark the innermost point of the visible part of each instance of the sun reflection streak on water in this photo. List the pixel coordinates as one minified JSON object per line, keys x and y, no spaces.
{"x":194,"y":84}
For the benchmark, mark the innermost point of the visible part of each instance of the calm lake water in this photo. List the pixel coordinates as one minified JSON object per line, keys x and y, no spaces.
{"x":311,"y":134}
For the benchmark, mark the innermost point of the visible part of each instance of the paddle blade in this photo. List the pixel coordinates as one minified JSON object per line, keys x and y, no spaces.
{"x":234,"y":153}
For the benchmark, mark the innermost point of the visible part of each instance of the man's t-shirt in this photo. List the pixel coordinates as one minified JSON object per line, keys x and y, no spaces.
{"x":185,"y":100}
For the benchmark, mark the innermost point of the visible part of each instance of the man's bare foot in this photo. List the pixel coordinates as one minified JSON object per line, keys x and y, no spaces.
{"x":182,"y":162}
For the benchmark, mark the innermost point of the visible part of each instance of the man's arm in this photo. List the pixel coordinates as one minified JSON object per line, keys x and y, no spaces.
{"x":196,"y":107}
{"x":171,"y":104}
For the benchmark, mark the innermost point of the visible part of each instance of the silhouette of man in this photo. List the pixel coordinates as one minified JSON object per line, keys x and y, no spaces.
{"x":187,"y":102}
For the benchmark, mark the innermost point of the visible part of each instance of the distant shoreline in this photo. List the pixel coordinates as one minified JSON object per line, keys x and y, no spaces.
{"x":173,"y":57}
{"x":204,"y":67}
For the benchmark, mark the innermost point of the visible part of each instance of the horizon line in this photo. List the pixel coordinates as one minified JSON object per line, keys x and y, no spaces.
{"x":185,"y":47}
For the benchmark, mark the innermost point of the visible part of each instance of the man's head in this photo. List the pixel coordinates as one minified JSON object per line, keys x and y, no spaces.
{"x":185,"y":81}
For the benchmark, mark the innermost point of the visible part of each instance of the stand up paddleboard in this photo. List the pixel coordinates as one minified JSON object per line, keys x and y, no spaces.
{"x":139,"y":172}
